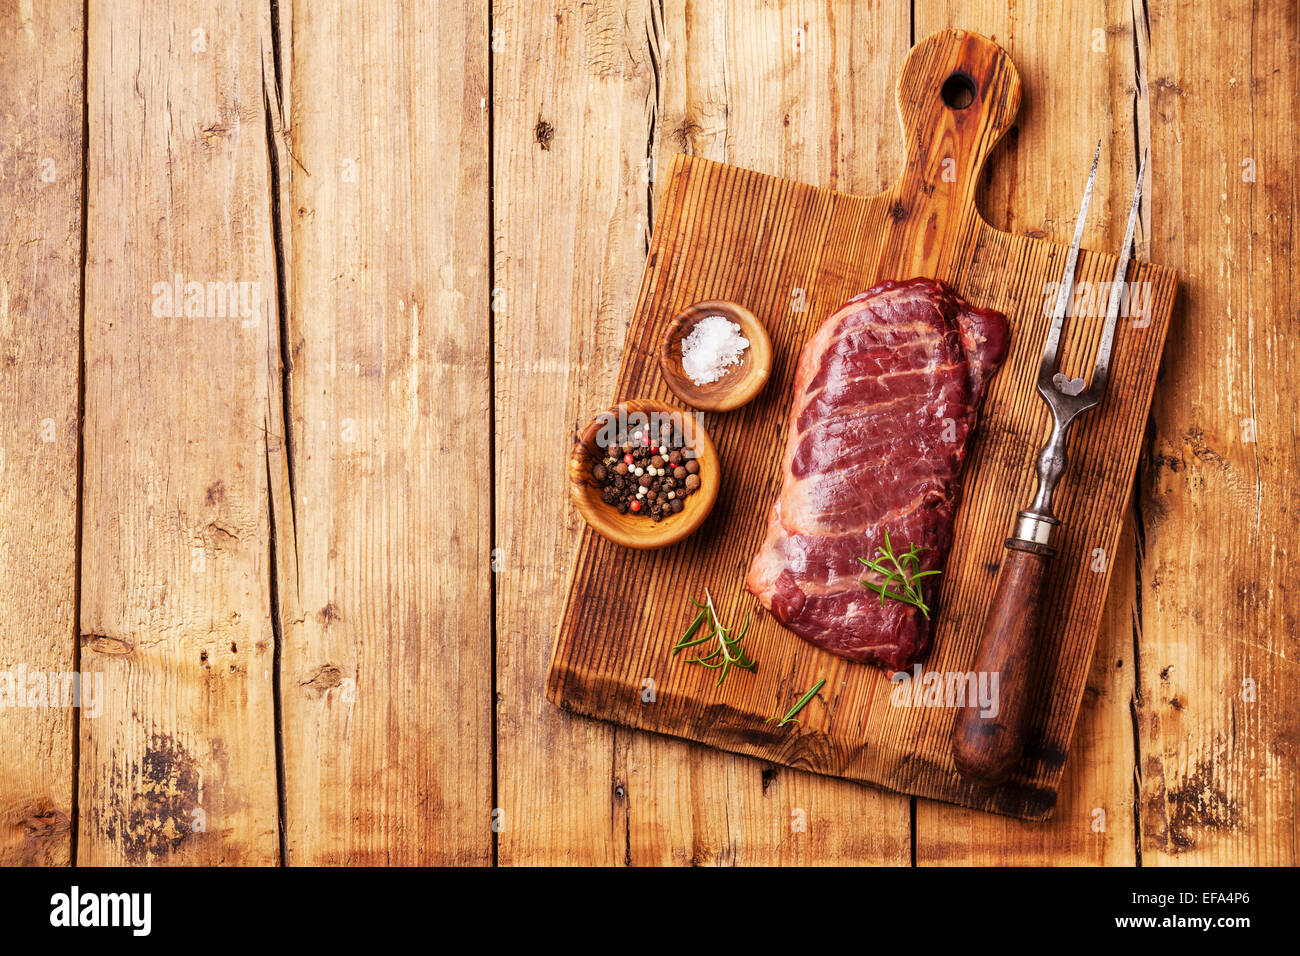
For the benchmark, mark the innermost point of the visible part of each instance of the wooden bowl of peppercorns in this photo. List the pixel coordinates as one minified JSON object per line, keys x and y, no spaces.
{"x":644,"y":474}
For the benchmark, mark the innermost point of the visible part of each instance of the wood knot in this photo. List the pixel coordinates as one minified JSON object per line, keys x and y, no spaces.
{"x":543,"y":132}
{"x":41,"y":833}
{"x":324,"y":679}
{"x":103,"y":644}
{"x":686,"y":131}
{"x":897,"y":212}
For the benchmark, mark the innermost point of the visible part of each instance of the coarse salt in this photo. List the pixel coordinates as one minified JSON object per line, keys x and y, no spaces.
{"x":713,"y":346}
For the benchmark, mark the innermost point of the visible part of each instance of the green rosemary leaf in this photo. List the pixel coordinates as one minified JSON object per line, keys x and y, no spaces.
{"x":685,"y":640}
{"x":802,"y":703}
{"x":900,"y":574}
{"x":728,"y":652}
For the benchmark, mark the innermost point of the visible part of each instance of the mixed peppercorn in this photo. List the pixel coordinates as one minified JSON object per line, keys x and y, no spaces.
{"x":647,"y":474}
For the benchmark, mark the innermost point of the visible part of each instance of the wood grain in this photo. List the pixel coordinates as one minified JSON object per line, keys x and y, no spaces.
{"x":833,"y":245}
{"x":196,"y":157}
{"x":387,"y":664}
{"x":572,"y":110}
{"x":791,"y":89}
{"x":584,"y":100}
{"x":1218,"y":716}
{"x":40,"y":292}
{"x":176,"y":578}
{"x":1094,"y":822}
{"x":1031,"y":185}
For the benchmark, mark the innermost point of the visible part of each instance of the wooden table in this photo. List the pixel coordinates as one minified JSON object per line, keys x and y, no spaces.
{"x":309,"y":542}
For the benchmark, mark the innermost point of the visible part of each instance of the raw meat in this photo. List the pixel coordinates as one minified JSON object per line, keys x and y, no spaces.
{"x":885,"y":397}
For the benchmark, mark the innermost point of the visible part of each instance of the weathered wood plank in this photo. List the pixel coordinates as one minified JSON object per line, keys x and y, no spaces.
{"x":806,"y":91}
{"x":179,"y":387}
{"x":573,"y":113}
{"x":386,"y":673}
{"x":40,"y":298}
{"x":1218,"y":715}
{"x":1032,"y":187}
{"x":585,"y":98}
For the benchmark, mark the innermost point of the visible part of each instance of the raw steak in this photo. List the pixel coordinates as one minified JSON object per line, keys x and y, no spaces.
{"x":885,"y":397}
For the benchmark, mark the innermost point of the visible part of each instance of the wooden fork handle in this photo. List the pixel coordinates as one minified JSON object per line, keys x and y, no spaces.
{"x":987,"y":747}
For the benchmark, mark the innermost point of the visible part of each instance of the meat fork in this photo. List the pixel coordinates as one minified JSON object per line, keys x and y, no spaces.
{"x":987,"y":745}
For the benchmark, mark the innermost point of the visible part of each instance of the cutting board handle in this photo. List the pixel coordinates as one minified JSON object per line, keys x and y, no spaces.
{"x":958,"y":93}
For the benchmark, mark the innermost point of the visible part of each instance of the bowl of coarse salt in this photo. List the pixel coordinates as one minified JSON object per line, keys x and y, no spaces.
{"x":716,"y":356}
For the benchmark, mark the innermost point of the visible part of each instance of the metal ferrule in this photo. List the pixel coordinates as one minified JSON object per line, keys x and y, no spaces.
{"x":1034,"y":528}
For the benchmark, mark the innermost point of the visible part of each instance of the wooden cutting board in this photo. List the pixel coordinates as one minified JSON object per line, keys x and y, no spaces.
{"x":792,"y":253}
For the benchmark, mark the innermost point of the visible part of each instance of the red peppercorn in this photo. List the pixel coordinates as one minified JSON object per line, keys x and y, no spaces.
{"x":627,"y":459}
{"x":635,"y":506}
{"x":645,"y":439}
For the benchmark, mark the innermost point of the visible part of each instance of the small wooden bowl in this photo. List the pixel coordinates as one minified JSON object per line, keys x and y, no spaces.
{"x":740,"y":382}
{"x":634,"y":530}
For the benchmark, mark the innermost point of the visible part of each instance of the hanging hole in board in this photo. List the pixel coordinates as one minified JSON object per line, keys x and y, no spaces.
{"x":958,"y":91}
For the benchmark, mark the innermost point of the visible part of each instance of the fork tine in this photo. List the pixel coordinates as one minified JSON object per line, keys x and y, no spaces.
{"x":1066,"y":288}
{"x":1102,"y":368}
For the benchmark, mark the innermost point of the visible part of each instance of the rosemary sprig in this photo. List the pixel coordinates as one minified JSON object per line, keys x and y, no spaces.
{"x":728,"y":653}
{"x":803,"y":702}
{"x":899,"y":580}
